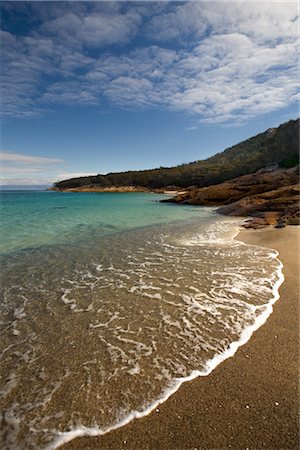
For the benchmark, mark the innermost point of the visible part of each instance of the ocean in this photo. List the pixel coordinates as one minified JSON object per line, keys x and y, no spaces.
{"x":110,"y":301}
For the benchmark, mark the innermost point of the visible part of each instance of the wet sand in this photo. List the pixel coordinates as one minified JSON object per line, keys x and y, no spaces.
{"x":249,"y":401}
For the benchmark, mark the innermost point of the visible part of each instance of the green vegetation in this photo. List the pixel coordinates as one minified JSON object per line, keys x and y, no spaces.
{"x":289,"y":162}
{"x":277,"y":145}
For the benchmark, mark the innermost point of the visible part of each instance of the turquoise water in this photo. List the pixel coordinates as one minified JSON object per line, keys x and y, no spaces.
{"x":32,"y":219}
{"x":108,"y":302}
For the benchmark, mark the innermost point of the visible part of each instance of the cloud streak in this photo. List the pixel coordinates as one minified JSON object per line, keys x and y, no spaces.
{"x":22,"y":169}
{"x":17,"y":168}
{"x":27,"y":159}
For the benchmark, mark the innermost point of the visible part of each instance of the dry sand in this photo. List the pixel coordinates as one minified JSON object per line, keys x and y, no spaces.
{"x":249,"y":401}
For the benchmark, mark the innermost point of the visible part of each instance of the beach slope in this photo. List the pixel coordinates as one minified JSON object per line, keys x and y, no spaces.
{"x":249,"y":401}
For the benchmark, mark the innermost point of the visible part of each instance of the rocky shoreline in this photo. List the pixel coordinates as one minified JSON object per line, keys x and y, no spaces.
{"x":268,"y":197}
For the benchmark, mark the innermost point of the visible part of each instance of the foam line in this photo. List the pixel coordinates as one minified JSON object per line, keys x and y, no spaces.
{"x":266,"y":311}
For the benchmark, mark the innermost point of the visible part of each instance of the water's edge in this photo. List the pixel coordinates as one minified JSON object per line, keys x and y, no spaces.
{"x":277,"y":276}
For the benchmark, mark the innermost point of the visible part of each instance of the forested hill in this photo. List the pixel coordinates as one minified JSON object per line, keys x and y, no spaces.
{"x":276,"y":145}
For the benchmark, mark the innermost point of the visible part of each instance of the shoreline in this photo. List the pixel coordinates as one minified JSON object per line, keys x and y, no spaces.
{"x":250,"y":400}
{"x":120,"y":190}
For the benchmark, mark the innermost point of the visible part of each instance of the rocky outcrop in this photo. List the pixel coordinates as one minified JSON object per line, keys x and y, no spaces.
{"x":238,"y":188}
{"x":270,"y":197}
{"x":278,"y":207}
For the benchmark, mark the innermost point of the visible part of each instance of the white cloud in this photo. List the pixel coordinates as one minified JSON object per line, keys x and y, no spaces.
{"x":19,"y":168}
{"x":67,"y":175}
{"x":38,"y":179}
{"x":16,"y":170}
{"x":27,"y":159}
{"x":181,"y":21}
{"x":231,"y":60}
{"x":69,"y":93}
{"x":263,"y":21}
{"x":191,"y":128}
{"x":95,"y":29}
{"x":130,"y":91}
{"x":22,"y":169}
{"x":28,"y":181}
{"x":230,"y":75}
{"x":223,"y":77}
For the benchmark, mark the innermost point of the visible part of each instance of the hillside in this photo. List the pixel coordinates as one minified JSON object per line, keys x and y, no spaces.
{"x":276,"y":145}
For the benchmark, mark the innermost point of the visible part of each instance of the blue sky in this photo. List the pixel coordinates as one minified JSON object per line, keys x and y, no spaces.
{"x":94,"y":87}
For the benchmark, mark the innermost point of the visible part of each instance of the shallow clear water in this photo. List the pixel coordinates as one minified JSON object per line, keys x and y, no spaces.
{"x":110,"y":301}
{"x":31,"y":219}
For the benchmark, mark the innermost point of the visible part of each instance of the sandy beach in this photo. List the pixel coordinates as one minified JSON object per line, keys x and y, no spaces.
{"x":249,"y":401}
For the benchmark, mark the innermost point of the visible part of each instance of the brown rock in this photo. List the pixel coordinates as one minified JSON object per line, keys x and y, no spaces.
{"x":269,"y":197}
{"x":238,"y":188}
{"x":278,"y":207}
